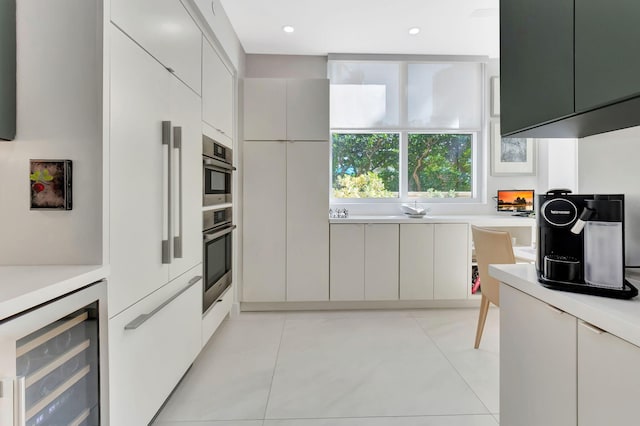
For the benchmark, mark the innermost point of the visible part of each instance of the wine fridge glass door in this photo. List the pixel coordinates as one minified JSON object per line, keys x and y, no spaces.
{"x":50,"y":362}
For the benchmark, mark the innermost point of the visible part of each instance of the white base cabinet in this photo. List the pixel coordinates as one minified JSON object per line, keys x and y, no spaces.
{"x":147,"y":360}
{"x":347,"y":262}
{"x":214,"y":316}
{"x":416,"y":261}
{"x":451,"y":276}
{"x":538,"y":352}
{"x":608,"y":378}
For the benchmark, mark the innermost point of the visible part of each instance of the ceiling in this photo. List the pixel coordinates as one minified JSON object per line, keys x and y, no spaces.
{"x":452,"y":27}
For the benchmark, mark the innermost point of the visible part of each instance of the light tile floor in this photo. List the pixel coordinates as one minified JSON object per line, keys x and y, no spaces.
{"x":343,"y":368}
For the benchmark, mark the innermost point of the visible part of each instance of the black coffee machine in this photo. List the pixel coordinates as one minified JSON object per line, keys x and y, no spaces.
{"x":581,"y":243}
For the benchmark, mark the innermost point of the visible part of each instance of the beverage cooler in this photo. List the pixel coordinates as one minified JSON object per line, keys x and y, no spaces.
{"x":50,"y":362}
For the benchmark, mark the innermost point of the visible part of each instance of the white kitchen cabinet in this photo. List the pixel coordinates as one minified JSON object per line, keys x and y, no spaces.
{"x":381,"y":261}
{"x":308,"y":110}
{"x":147,"y":359}
{"x":451,"y":261}
{"x":286,"y":109}
{"x":608,"y":372}
{"x":217,"y":92}
{"x":307,"y":223}
{"x":347,"y":261}
{"x":416,"y":261}
{"x":143,"y":95}
{"x":538,"y":382}
{"x":264,"y":221}
{"x":286,"y":235}
{"x":216,"y":313}
{"x":265,"y":109}
{"x":165,"y":29}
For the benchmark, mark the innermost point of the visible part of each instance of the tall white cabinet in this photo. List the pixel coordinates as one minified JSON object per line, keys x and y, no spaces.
{"x":217,"y":94}
{"x":286,"y":191}
{"x":155,"y":181}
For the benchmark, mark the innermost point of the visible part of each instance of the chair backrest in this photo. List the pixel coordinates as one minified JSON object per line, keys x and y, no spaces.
{"x":492,"y":247}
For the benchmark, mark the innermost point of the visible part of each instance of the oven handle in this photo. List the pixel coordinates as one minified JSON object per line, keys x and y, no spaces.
{"x":141,"y":319}
{"x":212,"y":236}
{"x":213,"y":164}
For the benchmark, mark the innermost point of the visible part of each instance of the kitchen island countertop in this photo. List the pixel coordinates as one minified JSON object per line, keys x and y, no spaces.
{"x":618,"y":317}
{"x":24,"y":287}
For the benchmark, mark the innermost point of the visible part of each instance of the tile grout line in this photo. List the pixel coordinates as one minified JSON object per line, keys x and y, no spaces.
{"x":453,"y":366}
{"x":275,"y":367}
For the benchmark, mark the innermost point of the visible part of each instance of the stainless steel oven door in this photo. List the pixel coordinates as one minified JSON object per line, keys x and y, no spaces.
{"x":216,"y":182}
{"x":218,"y":250}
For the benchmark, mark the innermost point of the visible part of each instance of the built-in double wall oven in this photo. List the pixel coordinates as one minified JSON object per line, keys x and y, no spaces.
{"x":218,"y":253}
{"x":216,"y":168}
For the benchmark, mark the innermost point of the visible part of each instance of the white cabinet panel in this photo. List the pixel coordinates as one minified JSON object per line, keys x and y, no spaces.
{"x":186,"y":179}
{"x":265,"y":109}
{"x":214,"y":316}
{"x":451,"y":261}
{"x":146,"y":363}
{"x":537,"y":362}
{"x":416,"y":261}
{"x":308,"y":109}
{"x":307,"y":223}
{"x":280,"y":109}
{"x":217,"y":91}
{"x":138,"y":210}
{"x":347,"y":262}
{"x":264,"y":219}
{"x":381,"y":261}
{"x":165,"y":29}
{"x":608,"y":374}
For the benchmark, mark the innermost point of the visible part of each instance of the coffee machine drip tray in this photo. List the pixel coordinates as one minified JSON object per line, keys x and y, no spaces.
{"x":627,"y":292}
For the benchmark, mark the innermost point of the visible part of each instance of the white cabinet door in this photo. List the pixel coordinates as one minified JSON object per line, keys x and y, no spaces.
{"x":381,"y":261}
{"x":537,"y":362}
{"x":138,"y":180}
{"x":451,"y":261}
{"x":265,"y":109}
{"x":347,"y":262}
{"x":416,"y":261}
{"x":307,"y":221}
{"x":308,"y":109}
{"x":146,"y":363}
{"x":608,"y":374}
{"x":165,"y":29}
{"x":264,"y":220}
{"x":217,"y":91}
{"x":186,"y":179}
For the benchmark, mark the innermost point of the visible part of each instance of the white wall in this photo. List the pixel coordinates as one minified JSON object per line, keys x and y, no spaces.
{"x":286,"y":66}
{"x":59,"y":117}
{"x":609,"y":163}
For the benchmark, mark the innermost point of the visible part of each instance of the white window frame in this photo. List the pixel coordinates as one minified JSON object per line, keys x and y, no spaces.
{"x":478,"y":184}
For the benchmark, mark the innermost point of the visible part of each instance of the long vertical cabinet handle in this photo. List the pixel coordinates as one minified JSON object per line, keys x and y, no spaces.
{"x":166,"y":140}
{"x":177,"y":239}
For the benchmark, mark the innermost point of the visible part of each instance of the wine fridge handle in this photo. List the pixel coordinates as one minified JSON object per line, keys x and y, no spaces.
{"x":19,"y":402}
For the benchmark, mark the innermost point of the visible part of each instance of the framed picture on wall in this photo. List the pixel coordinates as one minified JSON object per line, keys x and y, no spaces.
{"x":511,"y":156}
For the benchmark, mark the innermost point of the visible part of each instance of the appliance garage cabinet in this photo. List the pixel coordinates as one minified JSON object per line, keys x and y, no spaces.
{"x":557,"y":368}
{"x":155,"y":199}
{"x":286,"y":199}
{"x":565,"y":69}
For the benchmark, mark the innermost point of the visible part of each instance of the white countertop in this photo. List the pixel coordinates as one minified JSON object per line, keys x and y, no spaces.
{"x":23,"y":287}
{"x":479,"y":220}
{"x":618,"y":317}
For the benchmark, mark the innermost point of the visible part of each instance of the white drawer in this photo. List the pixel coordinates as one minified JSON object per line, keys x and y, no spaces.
{"x":145,"y":363}
{"x":214,"y":316}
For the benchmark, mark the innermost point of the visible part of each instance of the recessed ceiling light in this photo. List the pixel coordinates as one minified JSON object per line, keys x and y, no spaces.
{"x":414,"y":30}
{"x":288,"y":29}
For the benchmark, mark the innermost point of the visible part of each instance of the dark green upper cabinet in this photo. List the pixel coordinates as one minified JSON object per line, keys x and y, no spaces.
{"x":607,"y":36}
{"x":7,"y":69}
{"x":569,"y":68}
{"x":536,"y":62}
